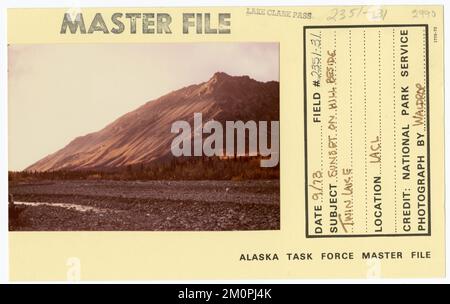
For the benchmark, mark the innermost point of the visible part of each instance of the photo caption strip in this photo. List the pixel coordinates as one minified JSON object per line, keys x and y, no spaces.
{"x":366,"y":116}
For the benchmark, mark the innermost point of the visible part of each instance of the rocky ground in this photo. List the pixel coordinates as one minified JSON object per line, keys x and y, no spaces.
{"x":150,"y":205}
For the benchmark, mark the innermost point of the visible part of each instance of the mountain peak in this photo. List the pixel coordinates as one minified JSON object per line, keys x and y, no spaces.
{"x":221,"y":79}
{"x":218,"y":76}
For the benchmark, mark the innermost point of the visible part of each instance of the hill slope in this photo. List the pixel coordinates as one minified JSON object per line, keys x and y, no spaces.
{"x":143,"y":135}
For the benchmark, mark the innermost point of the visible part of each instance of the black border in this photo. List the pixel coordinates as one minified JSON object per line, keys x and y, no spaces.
{"x":305,"y":108}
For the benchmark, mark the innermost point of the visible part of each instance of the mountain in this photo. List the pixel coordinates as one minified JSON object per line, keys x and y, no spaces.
{"x":144,"y":135}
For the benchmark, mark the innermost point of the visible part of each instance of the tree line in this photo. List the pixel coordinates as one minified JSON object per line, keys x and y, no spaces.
{"x":190,"y":168}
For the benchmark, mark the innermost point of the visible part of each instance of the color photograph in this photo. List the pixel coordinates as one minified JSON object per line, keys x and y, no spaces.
{"x":152,"y":137}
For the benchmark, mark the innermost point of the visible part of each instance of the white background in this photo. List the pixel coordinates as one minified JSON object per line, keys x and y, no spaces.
{"x":4,"y":4}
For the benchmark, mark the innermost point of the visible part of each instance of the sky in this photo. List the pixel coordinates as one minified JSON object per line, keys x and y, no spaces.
{"x":58,"y":92}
